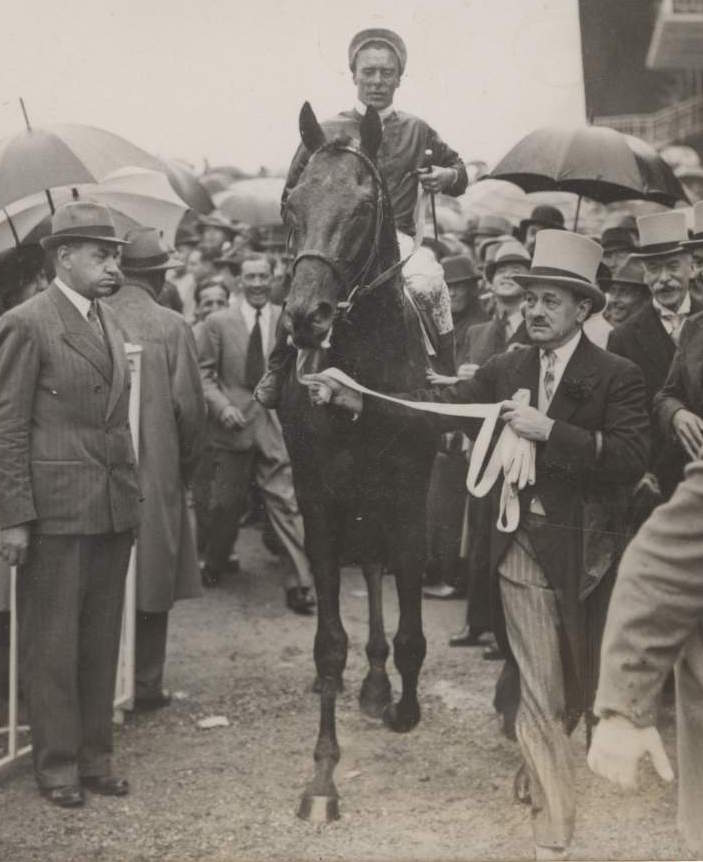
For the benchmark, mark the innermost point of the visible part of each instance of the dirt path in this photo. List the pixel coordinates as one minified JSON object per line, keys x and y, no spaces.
{"x":442,"y":792}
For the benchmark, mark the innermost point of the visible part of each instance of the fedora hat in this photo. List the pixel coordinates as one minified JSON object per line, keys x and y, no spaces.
{"x":566,"y":259}
{"x":617,"y":239}
{"x":510,"y":251}
{"x":696,"y":239}
{"x":378,"y":34}
{"x":459,"y":268}
{"x":81,"y":220}
{"x":546,"y":215}
{"x":147,"y":252}
{"x":219,"y":221}
{"x":489,"y":247}
{"x":661,"y":234}
{"x":630,"y":273}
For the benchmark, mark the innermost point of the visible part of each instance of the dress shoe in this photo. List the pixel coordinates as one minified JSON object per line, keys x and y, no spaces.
{"x":300,"y":600}
{"x":106,"y":785}
{"x":441,"y":591}
{"x":67,"y":796}
{"x":150,"y":702}
{"x":493,"y":653}
{"x":468,"y":637}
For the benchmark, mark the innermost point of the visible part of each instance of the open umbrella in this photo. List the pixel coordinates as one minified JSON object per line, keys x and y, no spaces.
{"x":592,"y":161}
{"x":256,"y":202}
{"x":62,"y":155}
{"x":134,"y":196}
{"x":188,"y":186}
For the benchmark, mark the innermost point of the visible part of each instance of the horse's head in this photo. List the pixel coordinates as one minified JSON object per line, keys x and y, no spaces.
{"x":335,"y":213}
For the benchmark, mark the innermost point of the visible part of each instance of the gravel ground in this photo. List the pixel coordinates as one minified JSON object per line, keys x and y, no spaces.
{"x":442,"y":792}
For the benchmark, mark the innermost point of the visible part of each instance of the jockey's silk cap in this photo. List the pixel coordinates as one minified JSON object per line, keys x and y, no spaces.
{"x":696,"y":240}
{"x":566,"y":259}
{"x":378,"y":34}
{"x":147,"y":252}
{"x":81,"y":220}
{"x":661,"y":234}
{"x":510,"y":251}
{"x":459,"y":268}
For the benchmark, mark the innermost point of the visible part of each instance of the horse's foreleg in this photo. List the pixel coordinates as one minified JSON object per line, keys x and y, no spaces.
{"x":375,"y":692}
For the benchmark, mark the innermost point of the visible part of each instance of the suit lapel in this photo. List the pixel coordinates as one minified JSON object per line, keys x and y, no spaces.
{"x":569,"y":394}
{"x":656,"y":344}
{"x":119,"y":361}
{"x":526,"y":375}
{"x":79,"y":335}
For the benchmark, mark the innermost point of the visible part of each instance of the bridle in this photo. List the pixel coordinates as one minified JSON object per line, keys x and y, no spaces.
{"x":356,"y":287}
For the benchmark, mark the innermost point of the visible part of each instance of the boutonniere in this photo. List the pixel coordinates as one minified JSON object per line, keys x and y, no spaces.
{"x":578,"y":390}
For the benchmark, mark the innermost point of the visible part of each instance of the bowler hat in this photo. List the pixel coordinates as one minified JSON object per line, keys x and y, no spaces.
{"x":459,"y":268}
{"x":661,"y":234}
{"x":696,"y":240}
{"x":378,"y":34}
{"x":617,"y":239}
{"x":545,"y":215}
{"x":216,"y":220}
{"x":630,"y":272}
{"x":147,"y":252}
{"x":566,"y":259}
{"x":81,"y":221}
{"x":511,"y":251}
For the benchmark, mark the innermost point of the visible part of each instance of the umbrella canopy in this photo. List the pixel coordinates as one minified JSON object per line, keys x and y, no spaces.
{"x":186,"y":184}
{"x":135,"y":197}
{"x":257,"y":202}
{"x":62,"y":155}
{"x":592,"y":161}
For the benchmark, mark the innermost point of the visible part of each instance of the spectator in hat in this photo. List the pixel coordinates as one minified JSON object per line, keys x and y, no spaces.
{"x":617,"y":244}
{"x":626,"y":290}
{"x":22,"y":275}
{"x":543,"y":216}
{"x":597,"y":327}
{"x":487,"y":227}
{"x":462,"y":280}
{"x":215,"y":230}
{"x":171,"y":435}
{"x":695,"y":247}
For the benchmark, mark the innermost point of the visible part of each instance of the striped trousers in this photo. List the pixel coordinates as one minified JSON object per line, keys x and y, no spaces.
{"x":533,"y":625}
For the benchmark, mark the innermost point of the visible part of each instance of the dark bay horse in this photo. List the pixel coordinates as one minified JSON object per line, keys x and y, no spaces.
{"x":361,"y":485}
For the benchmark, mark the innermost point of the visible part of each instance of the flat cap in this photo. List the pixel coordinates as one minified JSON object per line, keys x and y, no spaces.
{"x":378,"y":34}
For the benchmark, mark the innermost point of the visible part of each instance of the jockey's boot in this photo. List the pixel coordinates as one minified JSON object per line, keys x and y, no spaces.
{"x":270,"y":388}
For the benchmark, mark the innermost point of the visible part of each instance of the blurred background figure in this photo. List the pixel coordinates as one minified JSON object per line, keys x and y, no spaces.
{"x":543,"y":216}
{"x":626,"y":290}
{"x":618,"y":245}
{"x":215,"y":230}
{"x":23,"y":273}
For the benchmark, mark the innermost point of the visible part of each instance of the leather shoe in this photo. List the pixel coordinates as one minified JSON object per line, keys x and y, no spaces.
{"x":493,"y":653}
{"x":106,"y":785}
{"x":67,"y":796}
{"x":468,"y":637}
{"x":300,"y":600}
{"x":148,"y":703}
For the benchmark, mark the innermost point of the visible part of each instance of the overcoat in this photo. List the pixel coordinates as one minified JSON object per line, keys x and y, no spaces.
{"x":683,"y":387}
{"x":597,"y":449}
{"x":171,"y":431}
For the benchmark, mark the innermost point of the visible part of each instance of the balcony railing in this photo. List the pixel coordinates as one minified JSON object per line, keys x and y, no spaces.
{"x":674,"y":123}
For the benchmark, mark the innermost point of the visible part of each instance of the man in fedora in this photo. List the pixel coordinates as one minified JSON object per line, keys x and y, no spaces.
{"x":70,"y":501}
{"x":588,"y":420}
{"x":171,"y":432}
{"x":215,"y":230}
{"x":377,"y":59}
{"x":627,"y":291}
{"x":543,"y":217}
{"x":618,"y":245}
{"x":650,"y":336}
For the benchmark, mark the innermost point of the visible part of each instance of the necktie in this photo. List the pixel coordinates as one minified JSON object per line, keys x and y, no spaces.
{"x":550,"y":358}
{"x":254,"y":367}
{"x":94,"y":321}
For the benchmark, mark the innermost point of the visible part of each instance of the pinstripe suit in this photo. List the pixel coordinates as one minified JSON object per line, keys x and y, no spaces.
{"x":67,"y":469}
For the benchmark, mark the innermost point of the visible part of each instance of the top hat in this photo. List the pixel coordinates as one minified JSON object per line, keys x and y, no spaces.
{"x":81,"y":220}
{"x":545,"y":215}
{"x":491,"y":225}
{"x":147,"y":252}
{"x":378,"y":34}
{"x":510,"y":251}
{"x":459,"y":268}
{"x":216,"y":220}
{"x":617,"y":239}
{"x":696,"y":240}
{"x":661,"y":234}
{"x":630,"y":272}
{"x":566,"y":259}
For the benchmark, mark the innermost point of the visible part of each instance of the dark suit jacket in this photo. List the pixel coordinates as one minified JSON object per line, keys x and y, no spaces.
{"x":66,"y":458}
{"x":683,"y":387}
{"x":582,"y":483}
{"x":485,"y":340}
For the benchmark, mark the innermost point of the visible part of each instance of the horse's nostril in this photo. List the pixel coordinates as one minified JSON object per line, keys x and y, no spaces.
{"x":323,"y":313}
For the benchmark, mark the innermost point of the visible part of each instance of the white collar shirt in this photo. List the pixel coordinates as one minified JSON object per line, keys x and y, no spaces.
{"x":77,"y":299}
{"x":249,"y":315}
{"x":384,"y":113}
{"x":562,"y":356}
{"x":672,"y":321}
{"x":512,"y":323}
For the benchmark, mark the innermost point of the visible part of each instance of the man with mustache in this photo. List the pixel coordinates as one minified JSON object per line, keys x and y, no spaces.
{"x":588,"y":421}
{"x":69,"y":502}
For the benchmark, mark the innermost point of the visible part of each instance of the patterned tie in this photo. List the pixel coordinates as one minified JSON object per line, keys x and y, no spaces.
{"x":255,"y":365}
{"x":551,"y":361}
{"x":94,"y":321}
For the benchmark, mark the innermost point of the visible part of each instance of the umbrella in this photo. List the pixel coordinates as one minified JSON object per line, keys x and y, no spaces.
{"x":189,"y":187}
{"x":62,"y":155}
{"x":256,"y":202}
{"x":592,"y":161}
{"x":134,"y":196}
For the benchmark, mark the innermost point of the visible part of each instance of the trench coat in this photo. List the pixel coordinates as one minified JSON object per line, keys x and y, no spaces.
{"x":171,"y":431}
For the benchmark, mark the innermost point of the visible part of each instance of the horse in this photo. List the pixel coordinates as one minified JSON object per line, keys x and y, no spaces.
{"x":359,"y":483}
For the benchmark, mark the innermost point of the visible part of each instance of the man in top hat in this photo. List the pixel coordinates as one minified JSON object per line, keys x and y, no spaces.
{"x":650,"y":336}
{"x":543,"y":217}
{"x":588,"y":420}
{"x":377,"y":59}
{"x":618,"y":245}
{"x":70,"y":500}
{"x":627,"y":291}
{"x":171,"y":430}
{"x":215,"y":231}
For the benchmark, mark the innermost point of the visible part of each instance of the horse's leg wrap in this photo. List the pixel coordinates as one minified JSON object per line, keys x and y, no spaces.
{"x":375,"y":692}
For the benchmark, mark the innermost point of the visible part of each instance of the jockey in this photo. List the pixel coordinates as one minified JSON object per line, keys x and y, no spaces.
{"x":377,"y":60}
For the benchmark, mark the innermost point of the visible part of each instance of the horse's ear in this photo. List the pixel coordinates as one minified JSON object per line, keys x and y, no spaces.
{"x":310,"y":130}
{"x":371,"y":130}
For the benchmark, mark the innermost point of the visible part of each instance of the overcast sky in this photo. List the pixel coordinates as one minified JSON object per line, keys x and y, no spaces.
{"x":225,"y":79}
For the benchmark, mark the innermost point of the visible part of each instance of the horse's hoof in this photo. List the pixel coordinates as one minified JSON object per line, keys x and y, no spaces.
{"x":319,"y":809}
{"x":317,"y":685}
{"x":401,"y":719}
{"x":375,"y":695}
